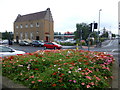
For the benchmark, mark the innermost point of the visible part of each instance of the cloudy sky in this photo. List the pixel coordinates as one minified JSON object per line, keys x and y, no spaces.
{"x":66,"y":13}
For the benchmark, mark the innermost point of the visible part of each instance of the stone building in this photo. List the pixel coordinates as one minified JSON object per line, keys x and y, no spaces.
{"x":35,"y":26}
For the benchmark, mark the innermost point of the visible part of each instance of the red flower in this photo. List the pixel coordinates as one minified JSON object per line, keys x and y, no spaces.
{"x":53,"y":85}
{"x":61,"y":74}
{"x":54,"y":73}
{"x":36,"y":69}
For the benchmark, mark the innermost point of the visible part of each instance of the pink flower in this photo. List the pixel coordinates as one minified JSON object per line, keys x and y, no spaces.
{"x":70,"y":80}
{"x":98,"y":78}
{"x":27,"y":79}
{"x":74,"y":81}
{"x":88,"y":86}
{"x":86,"y":73}
{"x":33,"y":82}
{"x":39,"y":80}
{"x":88,"y":77}
{"x":82,"y":73}
{"x":31,"y":77}
{"x":92,"y":83}
{"x":71,"y":67}
{"x":83,"y":83}
{"x":89,"y":71}
{"x":79,"y":68}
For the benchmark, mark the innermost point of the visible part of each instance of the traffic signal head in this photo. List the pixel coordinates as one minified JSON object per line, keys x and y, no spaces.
{"x":95,"y":25}
{"x":90,"y":25}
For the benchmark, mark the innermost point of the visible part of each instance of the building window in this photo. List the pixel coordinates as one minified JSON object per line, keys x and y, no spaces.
{"x":31,"y":36}
{"x":26,"y":25}
{"x":31,"y":25}
{"x":37,"y":24}
{"x":21,"y":36}
{"x":21,"y":26}
{"x":37,"y":32}
{"x":17,"y":26}
{"x":26,"y":35}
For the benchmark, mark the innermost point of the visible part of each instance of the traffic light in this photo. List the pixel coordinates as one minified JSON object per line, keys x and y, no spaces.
{"x":90,"y":27}
{"x":95,"y":25}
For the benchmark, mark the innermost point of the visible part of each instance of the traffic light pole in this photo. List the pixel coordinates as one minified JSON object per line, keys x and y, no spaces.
{"x":90,"y":35}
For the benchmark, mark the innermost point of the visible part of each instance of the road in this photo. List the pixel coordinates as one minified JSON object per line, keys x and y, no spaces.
{"x":109,"y":46}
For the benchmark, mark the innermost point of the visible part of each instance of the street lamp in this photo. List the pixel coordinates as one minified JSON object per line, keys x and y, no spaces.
{"x":99,"y":24}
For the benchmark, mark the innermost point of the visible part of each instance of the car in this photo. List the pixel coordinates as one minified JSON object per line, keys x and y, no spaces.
{"x":52,"y":45}
{"x":37,"y":43}
{"x":8,"y":51}
{"x":24,"y":43}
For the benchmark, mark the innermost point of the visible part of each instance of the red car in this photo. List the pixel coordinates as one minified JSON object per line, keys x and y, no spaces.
{"x":52,"y":45}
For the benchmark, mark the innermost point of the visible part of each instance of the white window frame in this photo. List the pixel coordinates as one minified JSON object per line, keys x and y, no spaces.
{"x":37,"y":24}
{"x":17,"y":26}
{"x":26,"y":25}
{"x":31,"y":25}
{"x":21,"y":26}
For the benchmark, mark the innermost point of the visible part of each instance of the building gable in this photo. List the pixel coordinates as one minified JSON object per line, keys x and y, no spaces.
{"x":33,"y":16}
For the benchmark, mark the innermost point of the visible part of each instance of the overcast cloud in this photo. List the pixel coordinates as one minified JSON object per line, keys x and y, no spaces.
{"x":66,"y":13}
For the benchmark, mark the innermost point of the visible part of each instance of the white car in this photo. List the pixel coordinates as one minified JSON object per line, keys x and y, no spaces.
{"x":8,"y":51}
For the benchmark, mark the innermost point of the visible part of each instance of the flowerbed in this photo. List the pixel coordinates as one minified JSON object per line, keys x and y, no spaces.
{"x":60,"y":69}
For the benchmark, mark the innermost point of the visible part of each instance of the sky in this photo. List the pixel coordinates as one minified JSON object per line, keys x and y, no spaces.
{"x":66,"y":13}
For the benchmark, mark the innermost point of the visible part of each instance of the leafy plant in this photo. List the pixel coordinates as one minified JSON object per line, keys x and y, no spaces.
{"x":60,"y":69}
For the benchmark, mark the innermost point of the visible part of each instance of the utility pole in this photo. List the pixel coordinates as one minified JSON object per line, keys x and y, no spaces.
{"x":99,"y":26}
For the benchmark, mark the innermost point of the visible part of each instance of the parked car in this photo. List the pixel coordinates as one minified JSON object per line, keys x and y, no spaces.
{"x":37,"y":43}
{"x":8,"y":51}
{"x":52,"y":45}
{"x":24,"y":43}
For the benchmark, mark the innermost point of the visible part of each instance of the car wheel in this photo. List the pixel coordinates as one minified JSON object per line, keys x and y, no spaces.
{"x":45,"y":48}
{"x":55,"y":48}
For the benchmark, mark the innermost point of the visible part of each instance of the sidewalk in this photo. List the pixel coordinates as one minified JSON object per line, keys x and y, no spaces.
{"x":116,"y":73}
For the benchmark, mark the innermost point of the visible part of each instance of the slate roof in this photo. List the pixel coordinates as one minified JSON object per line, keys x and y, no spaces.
{"x":30,"y":17}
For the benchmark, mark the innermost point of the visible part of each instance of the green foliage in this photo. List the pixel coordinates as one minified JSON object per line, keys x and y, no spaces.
{"x":70,"y":69}
{"x":7,"y":35}
{"x":67,"y":44}
{"x":85,"y":31}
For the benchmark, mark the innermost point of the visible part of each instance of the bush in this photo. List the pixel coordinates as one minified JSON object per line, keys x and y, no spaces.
{"x":60,"y":69}
{"x":67,"y":44}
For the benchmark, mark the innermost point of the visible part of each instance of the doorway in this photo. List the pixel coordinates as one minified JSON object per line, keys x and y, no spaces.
{"x":37,"y":37}
{"x":46,"y":38}
{"x":17,"y":39}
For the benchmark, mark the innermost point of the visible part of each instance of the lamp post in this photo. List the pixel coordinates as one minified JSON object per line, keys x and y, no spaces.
{"x":99,"y":25}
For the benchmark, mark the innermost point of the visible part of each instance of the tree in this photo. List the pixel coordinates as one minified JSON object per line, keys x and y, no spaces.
{"x":83,"y":31}
{"x":7,"y":35}
{"x":113,"y":35}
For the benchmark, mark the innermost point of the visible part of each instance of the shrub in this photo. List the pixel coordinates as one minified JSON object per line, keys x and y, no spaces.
{"x":60,"y":69}
{"x":67,"y":44}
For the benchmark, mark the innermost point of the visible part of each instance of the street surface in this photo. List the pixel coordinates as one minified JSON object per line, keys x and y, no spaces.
{"x":109,"y":46}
